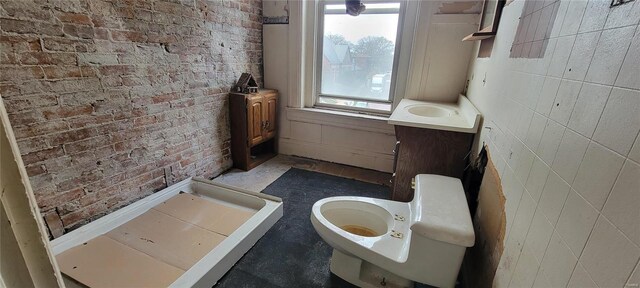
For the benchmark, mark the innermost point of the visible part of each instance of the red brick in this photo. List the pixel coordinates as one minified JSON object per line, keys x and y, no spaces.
{"x":84,"y":215}
{"x":88,"y":144}
{"x":18,"y":26}
{"x":44,"y":58}
{"x":177,"y":148}
{"x":101,"y":33}
{"x":16,"y":104}
{"x":42,"y":155}
{"x":164,"y":97}
{"x":32,"y":145}
{"x":40,"y":128}
{"x":119,"y":70}
{"x":54,"y":223}
{"x":99,"y":195}
{"x":71,"y":136}
{"x":66,"y":111}
{"x":145,"y":120}
{"x":56,"y":199}
{"x":18,"y":9}
{"x":24,"y":118}
{"x":59,"y":72}
{"x":68,"y":45}
{"x":20,"y":74}
{"x":128,"y":36}
{"x":75,"y":18}
{"x":88,"y":121}
{"x":79,"y":31}
{"x":86,"y":178}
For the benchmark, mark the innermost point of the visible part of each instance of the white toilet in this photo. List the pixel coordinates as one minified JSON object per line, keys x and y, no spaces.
{"x":383,"y":243}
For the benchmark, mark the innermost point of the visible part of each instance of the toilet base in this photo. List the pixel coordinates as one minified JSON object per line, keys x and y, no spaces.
{"x":364,"y":274}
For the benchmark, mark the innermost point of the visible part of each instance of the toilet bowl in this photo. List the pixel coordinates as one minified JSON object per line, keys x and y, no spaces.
{"x":380,"y":242}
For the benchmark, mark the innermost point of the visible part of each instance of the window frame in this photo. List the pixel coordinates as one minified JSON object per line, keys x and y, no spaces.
{"x":319,"y":38}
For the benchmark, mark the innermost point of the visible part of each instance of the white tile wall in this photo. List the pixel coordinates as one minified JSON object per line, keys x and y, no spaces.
{"x":610,"y":52}
{"x":536,"y":128}
{"x":550,"y":141}
{"x":580,"y":151}
{"x":522,"y":220}
{"x":506,"y":266}
{"x":620,"y":121}
{"x":534,"y":87}
{"x":539,"y":235}
{"x":594,"y":16}
{"x":524,"y":274}
{"x":565,"y":100}
{"x":558,"y":262}
{"x":597,"y":174}
{"x":522,"y":126}
{"x":537,"y":178}
{"x":580,"y":58}
{"x":569,"y":155}
{"x":635,"y":151}
{"x":609,"y":256}
{"x":634,"y":280}
{"x":622,"y":206}
{"x":573,"y":18}
{"x":630,"y":70}
{"x":561,"y":55}
{"x":588,"y":109}
{"x":548,"y":95}
{"x":581,"y":278}
{"x":524,"y":162}
{"x":576,"y":221}
{"x":541,"y":280}
{"x":553,"y":196}
{"x":562,"y":12}
{"x":624,"y":15}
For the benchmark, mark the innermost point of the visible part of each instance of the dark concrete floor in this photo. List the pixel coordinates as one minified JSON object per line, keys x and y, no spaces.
{"x":292,"y":254}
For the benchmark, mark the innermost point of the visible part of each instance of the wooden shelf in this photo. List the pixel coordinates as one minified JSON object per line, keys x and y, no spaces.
{"x":478,"y":36}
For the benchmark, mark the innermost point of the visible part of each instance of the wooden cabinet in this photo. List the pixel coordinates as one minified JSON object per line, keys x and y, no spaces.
{"x":427,"y":151}
{"x":253,"y":127}
{"x":270,"y":105}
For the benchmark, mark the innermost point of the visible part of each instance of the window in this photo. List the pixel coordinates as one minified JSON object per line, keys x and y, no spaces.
{"x":356,"y":64}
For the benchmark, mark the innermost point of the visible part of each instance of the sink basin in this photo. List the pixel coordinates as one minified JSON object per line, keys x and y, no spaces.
{"x":426,"y":110}
{"x":461,"y":116}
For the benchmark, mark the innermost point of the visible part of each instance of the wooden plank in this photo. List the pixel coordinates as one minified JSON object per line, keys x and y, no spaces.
{"x":13,"y":268}
{"x":212,"y":216}
{"x":22,"y":211}
{"x":167,"y":238}
{"x":104,"y":262}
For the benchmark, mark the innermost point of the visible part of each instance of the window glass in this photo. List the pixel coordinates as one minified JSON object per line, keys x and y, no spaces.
{"x":358,"y":55}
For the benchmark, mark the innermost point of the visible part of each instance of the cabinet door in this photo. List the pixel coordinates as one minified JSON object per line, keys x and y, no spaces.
{"x":255,"y":116}
{"x":270,"y":106}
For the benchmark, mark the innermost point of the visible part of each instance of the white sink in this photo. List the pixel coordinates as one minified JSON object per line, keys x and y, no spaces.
{"x":428,"y":110}
{"x":457,"y":117}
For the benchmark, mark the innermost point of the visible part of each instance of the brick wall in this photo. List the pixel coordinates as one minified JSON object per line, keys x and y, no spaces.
{"x":112,"y":100}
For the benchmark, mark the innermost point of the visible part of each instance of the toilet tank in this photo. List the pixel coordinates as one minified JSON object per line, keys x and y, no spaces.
{"x":440,"y":211}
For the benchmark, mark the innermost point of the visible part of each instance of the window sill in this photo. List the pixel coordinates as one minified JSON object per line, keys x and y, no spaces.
{"x":341,"y":119}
